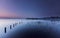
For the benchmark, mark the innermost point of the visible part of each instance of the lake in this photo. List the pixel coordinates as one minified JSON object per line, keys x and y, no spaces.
{"x":13,"y":25}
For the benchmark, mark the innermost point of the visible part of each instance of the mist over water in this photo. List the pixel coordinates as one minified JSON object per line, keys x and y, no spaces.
{"x":29,"y":28}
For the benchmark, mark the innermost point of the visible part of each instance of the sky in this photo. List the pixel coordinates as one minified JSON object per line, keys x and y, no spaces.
{"x":29,"y":8}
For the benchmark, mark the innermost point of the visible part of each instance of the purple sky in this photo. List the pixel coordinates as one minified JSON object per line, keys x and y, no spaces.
{"x":29,"y":8}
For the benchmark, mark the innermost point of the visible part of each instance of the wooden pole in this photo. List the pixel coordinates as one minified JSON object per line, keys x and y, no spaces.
{"x":10,"y":26}
{"x":5,"y":30}
{"x":13,"y":25}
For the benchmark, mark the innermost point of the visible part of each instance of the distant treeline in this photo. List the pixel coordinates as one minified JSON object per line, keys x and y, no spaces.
{"x":45,"y":18}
